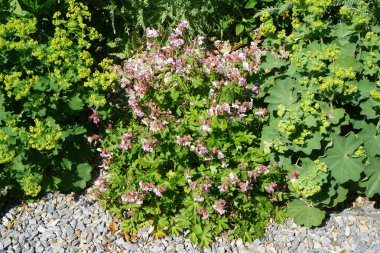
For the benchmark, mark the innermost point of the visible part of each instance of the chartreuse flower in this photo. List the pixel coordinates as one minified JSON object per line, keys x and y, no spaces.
{"x":44,"y":135}
{"x":31,"y":184}
{"x":311,"y":178}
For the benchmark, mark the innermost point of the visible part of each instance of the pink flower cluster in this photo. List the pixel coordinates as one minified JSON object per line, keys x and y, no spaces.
{"x":148,"y":145}
{"x":184,"y":140}
{"x":95,"y":117}
{"x":100,"y":186}
{"x":271,"y":187}
{"x":235,"y":110}
{"x":147,"y":187}
{"x":133,"y":197}
{"x":231,"y":180}
{"x":258,"y":170}
{"x":126,"y":140}
{"x":219,"y":206}
{"x":94,"y":139}
{"x":202,"y":211}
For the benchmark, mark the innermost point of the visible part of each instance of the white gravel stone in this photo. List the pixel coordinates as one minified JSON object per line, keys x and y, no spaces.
{"x":63,"y":223}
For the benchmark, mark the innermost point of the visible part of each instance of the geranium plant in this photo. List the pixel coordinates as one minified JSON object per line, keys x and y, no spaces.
{"x":185,"y":155}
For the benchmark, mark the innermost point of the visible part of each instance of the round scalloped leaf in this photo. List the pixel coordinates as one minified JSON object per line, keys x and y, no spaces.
{"x":340,"y":196}
{"x":304,"y":214}
{"x":334,"y":114}
{"x":282,"y":93}
{"x":370,"y":139}
{"x":313,"y":143}
{"x":365,"y":88}
{"x":370,"y":109}
{"x":339,"y":158}
{"x":372,"y":184}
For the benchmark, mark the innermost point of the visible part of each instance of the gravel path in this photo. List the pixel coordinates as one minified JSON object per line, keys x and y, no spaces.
{"x":65,"y":223}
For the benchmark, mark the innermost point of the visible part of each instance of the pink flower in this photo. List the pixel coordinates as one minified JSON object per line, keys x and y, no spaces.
{"x":152,"y":33}
{"x":126,"y":144}
{"x":148,"y":145}
{"x":201,"y":150}
{"x":158,"y":190}
{"x":184,"y":140}
{"x":202,"y":211}
{"x":255,"y":89}
{"x":206,"y":126}
{"x":94,"y":138}
{"x":130,"y":197}
{"x":220,"y":155}
{"x":232,"y":178}
{"x":198,"y":197}
{"x":94,"y":116}
{"x":176,"y":42}
{"x":271,"y":187}
{"x":205,"y":187}
{"x":146,"y":186}
{"x":219,"y":206}
{"x":223,"y":187}
{"x":244,"y":186}
{"x":103,"y":152}
{"x":183,"y":25}
{"x":261,"y":112}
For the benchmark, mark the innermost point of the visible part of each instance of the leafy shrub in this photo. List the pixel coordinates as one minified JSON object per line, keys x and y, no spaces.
{"x":323,"y":104}
{"x":186,"y":153}
{"x":124,"y":22}
{"x":47,"y":87}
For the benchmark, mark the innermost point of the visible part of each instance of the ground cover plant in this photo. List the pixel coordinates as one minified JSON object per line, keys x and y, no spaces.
{"x":325,"y":131}
{"x":49,"y":86}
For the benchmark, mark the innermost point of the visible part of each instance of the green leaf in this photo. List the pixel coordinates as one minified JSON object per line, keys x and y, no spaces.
{"x":82,"y":175}
{"x":272,"y":62}
{"x":16,"y":8}
{"x":343,"y":167}
{"x":370,"y":109}
{"x":347,"y":62}
{"x":334,"y":114}
{"x":76,"y":103}
{"x":313,"y":143}
{"x":239,"y":29}
{"x":365,"y":88}
{"x":304,"y":214}
{"x":340,"y":196}
{"x":282,"y":93}
{"x":370,"y":139}
{"x":66,"y":164}
{"x":203,"y":234}
{"x":372,"y":183}
{"x":250,"y":4}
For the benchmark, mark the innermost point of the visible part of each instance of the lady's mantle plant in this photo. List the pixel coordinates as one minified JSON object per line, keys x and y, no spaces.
{"x":47,"y":86}
{"x":186,"y":153}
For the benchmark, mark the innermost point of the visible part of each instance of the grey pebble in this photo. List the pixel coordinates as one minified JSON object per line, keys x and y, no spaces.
{"x":6,"y":242}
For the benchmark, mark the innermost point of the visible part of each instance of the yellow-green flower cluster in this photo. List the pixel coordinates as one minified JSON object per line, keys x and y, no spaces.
{"x":266,"y":28}
{"x":16,"y":86}
{"x":44,"y":135}
{"x":310,"y":180}
{"x":375,"y":94}
{"x":358,"y":15}
{"x":17,"y":28}
{"x":31,"y":185}
{"x":6,"y":153}
{"x":102,"y":80}
{"x":359,"y":152}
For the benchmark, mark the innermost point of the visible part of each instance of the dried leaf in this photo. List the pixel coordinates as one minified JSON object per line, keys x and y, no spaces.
{"x":113,"y":227}
{"x":126,"y":236}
